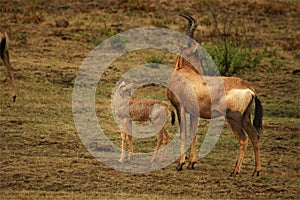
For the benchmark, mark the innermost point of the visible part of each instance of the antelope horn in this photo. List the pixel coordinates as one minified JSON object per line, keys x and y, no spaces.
{"x":188,"y":28}
{"x":194,"y":27}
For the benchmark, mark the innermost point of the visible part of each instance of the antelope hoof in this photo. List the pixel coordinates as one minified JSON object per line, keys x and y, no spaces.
{"x":191,"y":165}
{"x":255,"y":173}
{"x":179,"y":166}
{"x":233,"y":174}
{"x":130,"y":157}
{"x":14,"y":98}
{"x":121,"y":160}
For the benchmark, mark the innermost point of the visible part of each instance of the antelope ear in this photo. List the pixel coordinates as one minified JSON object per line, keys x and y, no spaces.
{"x":122,"y":84}
{"x":124,"y":92}
{"x":195,"y":47}
{"x":122,"y":89}
{"x":130,"y":86}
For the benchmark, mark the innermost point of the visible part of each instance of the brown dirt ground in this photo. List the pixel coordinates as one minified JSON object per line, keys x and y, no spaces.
{"x":41,"y":153}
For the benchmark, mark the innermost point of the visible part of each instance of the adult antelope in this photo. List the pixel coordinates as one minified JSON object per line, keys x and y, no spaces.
{"x":5,"y":57}
{"x":188,"y":90}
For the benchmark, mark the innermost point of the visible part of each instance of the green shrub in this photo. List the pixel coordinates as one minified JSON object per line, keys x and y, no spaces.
{"x":155,"y":58}
{"x":229,"y":56}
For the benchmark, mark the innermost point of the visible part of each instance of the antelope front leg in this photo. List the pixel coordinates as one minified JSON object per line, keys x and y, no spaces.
{"x":6,"y":61}
{"x":193,"y":138}
{"x":123,"y":147}
{"x":183,"y":138}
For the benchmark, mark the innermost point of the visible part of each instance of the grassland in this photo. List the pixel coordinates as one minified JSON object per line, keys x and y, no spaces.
{"x":42,"y":155}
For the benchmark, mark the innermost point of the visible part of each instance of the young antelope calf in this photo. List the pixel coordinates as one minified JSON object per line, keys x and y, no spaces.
{"x":140,"y":110}
{"x":5,"y":57}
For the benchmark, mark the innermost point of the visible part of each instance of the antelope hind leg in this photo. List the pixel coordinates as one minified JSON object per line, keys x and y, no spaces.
{"x":159,"y":141}
{"x":236,"y":127}
{"x":123,"y":147}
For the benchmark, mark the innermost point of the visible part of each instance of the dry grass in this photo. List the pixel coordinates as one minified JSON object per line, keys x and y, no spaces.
{"x":41,"y":153}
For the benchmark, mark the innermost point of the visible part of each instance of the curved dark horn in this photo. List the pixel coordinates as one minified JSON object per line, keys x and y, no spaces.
{"x":188,"y":28}
{"x":194,"y":27}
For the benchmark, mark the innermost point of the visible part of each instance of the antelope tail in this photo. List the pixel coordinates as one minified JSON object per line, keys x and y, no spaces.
{"x":258,"y":115}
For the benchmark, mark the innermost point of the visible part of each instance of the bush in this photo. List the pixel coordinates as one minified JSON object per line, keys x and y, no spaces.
{"x":156,"y":58}
{"x":231,"y":48}
{"x":229,"y":56}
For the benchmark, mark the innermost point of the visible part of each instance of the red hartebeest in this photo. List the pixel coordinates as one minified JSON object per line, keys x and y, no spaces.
{"x":5,"y":57}
{"x":188,"y":90}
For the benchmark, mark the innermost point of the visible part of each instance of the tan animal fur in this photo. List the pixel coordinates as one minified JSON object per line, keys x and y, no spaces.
{"x":140,"y":110}
{"x":4,"y":54}
{"x":239,"y":95}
